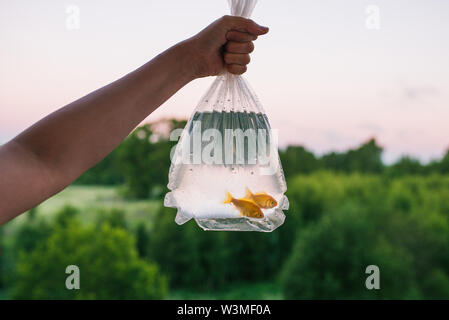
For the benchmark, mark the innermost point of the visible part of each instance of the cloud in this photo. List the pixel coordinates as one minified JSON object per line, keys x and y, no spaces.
{"x":419,"y":92}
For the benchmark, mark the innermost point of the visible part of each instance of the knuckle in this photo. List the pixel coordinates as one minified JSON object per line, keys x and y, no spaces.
{"x":227,"y":19}
{"x":250,"y":47}
{"x":230,"y":35}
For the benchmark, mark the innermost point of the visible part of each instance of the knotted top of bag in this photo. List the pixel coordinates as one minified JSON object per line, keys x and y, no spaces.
{"x":242,"y":8}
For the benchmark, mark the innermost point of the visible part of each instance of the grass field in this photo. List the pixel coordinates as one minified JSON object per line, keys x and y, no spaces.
{"x":91,"y":199}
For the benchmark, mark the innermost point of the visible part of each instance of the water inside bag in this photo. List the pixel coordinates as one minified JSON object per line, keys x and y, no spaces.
{"x":199,"y":190}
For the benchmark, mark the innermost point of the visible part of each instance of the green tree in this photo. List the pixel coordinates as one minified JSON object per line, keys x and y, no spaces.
{"x":329,"y":261}
{"x":297,"y":159}
{"x":345,"y":222}
{"x":106,"y":172}
{"x":106,"y":256}
{"x":142,"y":240}
{"x":114,"y":217}
{"x":444,"y":164}
{"x":197,"y":259}
{"x":406,"y":166}
{"x":365,"y":159}
{"x":145,"y":160}
{"x":33,"y":231}
{"x":334,"y":161}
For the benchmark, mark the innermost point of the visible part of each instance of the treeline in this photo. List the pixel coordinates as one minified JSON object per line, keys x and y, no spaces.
{"x":365,"y":159}
{"x":142,"y":162}
{"x":337,"y":225}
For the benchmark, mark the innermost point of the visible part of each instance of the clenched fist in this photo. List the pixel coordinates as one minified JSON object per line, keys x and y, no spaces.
{"x":226,"y":43}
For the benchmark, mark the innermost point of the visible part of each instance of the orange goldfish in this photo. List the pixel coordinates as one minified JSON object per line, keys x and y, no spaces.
{"x":262,"y":199}
{"x":246,"y":207}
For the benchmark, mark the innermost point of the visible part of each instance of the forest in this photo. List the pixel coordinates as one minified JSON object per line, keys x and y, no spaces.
{"x":347,"y":210}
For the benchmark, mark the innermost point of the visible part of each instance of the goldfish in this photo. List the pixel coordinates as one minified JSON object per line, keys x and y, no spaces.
{"x":246,"y":207}
{"x":262,"y":199}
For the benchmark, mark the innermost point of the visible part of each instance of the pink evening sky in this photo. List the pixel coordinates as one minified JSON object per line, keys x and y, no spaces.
{"x":327,"y":76}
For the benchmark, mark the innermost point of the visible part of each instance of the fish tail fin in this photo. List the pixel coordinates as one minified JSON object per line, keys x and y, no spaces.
{"x":228,"y":198}
{"x":248,"y":193}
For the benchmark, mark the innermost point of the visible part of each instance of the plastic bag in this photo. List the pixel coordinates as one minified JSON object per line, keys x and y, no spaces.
{"x":225,"y":171}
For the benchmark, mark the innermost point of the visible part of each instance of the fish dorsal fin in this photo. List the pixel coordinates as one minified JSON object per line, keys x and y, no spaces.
{"x":228,"y":198}
{"x":249,"y":194}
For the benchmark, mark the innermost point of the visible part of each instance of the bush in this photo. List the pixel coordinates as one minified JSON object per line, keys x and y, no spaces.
{"x":347,"y":222}
{"x":197,"y":259}
{"x":144,"y":159}
{"x":106,"y":256}
{"x":329,"y":260}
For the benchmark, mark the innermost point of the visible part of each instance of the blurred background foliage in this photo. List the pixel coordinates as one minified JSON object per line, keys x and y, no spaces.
{"x":347,"y":210}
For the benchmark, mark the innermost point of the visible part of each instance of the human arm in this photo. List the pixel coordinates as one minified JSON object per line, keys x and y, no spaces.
{"x":53,"y":152}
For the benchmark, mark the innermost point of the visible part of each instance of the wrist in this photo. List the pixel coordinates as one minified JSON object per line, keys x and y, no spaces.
{"x":187,"y":58}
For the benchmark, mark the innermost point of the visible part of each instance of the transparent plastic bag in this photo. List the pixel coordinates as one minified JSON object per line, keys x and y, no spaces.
{"x":225,"y":171}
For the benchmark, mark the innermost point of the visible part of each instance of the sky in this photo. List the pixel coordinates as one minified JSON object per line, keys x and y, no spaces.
{"x":330,"y":74}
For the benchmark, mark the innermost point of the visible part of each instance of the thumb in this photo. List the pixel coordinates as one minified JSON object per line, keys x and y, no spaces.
{"x":247,"y":25}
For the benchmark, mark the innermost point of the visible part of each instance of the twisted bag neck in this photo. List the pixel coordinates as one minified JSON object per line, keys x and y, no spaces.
{"x":242,"y":8}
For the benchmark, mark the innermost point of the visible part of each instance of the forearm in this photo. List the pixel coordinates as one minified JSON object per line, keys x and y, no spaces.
{"x":60,"y":147}
{"x":77,"y":136}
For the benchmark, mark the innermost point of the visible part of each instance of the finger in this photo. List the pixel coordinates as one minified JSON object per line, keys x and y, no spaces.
{"x":236,"y":68}
{"x":236,"y":58}
{"x":239,"y":47}
{"x":238,"y":36}
{"x":245,"y":25}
